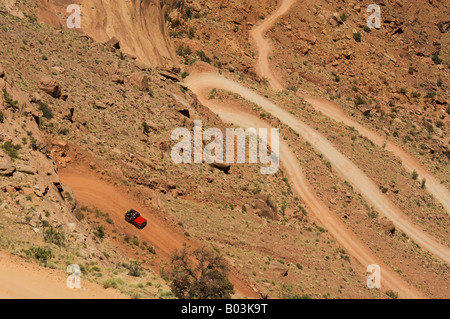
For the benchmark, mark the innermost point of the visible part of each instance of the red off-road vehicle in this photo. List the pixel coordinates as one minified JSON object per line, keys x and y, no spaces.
{"x":134,"y":218}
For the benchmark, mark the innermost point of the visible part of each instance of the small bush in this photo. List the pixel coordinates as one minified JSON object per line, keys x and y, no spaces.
{"x":359,"y":101}
{"x":201,"y":274}
{"x":436,"y":58}
{"x":392,"y":294}
{"x":113,"y":283}
{"x":187,"y":13}
{"x":424,"y":182}
{"x":41,"y":254}
{"x":415,"y":175}
{"x":357,"y":37}
{"x":11,"y":149}
{"x":134,"y":268}
{"x":33,"y":143}
{"x":337,"y":78}
{"x":109,"y":220}
{"x":202,"y":55}
{"x":430,"y":95}
{"x":145,"y":127}
{"x":99,"y":232}
{"x":2,"y":117}
{"x":191,"y":33}
{"x":10,"y":102}
{"x":187,"y":51}
{"x":46,"y":110}
{"x":54,"y":235}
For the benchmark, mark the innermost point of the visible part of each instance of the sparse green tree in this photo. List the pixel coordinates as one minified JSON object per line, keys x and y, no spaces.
{"x":201,"y":274}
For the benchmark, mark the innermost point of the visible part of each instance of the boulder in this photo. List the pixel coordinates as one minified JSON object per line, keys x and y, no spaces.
{"x":6,"y":167}
{"x":141,"y":65}
{"x":69,"y":114}
{"x":50,"y":86}
{"x":140,"y":81}
{"x":113,"y":43}
{"x":169,"y":75}
{"x":99,"y":105}
{"x":35,"y":97}
{"x":263,"y":210}
{"x":116,"y":78}
{"x":26,"y":169}
{"x":365,"y":109}
{"x":387,"y":226}
{"x":222,"y":167}
{"x":181,"y":100}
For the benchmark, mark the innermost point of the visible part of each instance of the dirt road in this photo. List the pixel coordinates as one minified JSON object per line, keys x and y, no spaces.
{"x":90,"y":190}
{"x":201,"y":82}
{"x":335,"y":112}
{"x":301,"y":187}
{"x":264,"y":45}
{"x":23,"y":280}
{"x":198,"y":82}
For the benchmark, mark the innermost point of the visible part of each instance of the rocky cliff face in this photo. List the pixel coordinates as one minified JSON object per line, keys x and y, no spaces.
{"x":139,"y":25}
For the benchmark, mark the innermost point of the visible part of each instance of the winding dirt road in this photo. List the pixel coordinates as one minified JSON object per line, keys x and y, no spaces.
{"x":200,"y":84}
{"x":265,"y":46}
{"x":92,"y":191}
{"x":335,"y":112}
{"x":344,"y":166}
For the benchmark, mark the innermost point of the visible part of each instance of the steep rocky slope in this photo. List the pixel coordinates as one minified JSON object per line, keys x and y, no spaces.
{"x":92,"y":114}
{"x":86,"y":108}
{"x":140,"y":26}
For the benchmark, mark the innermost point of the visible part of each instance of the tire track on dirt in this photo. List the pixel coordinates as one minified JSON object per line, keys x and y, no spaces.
{"x":294,"y":172}
{"x":90,"y":190}
{"x":265,"y":46}
{"x":198,"y":82}
{"x":335,"y":112}
{"x":410,"y":163}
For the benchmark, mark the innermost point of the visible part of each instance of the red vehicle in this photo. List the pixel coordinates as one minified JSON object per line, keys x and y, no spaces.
{"x":134,"y":218}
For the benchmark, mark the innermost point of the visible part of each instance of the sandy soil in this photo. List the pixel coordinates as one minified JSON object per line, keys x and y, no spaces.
{"x":22,"y":280}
